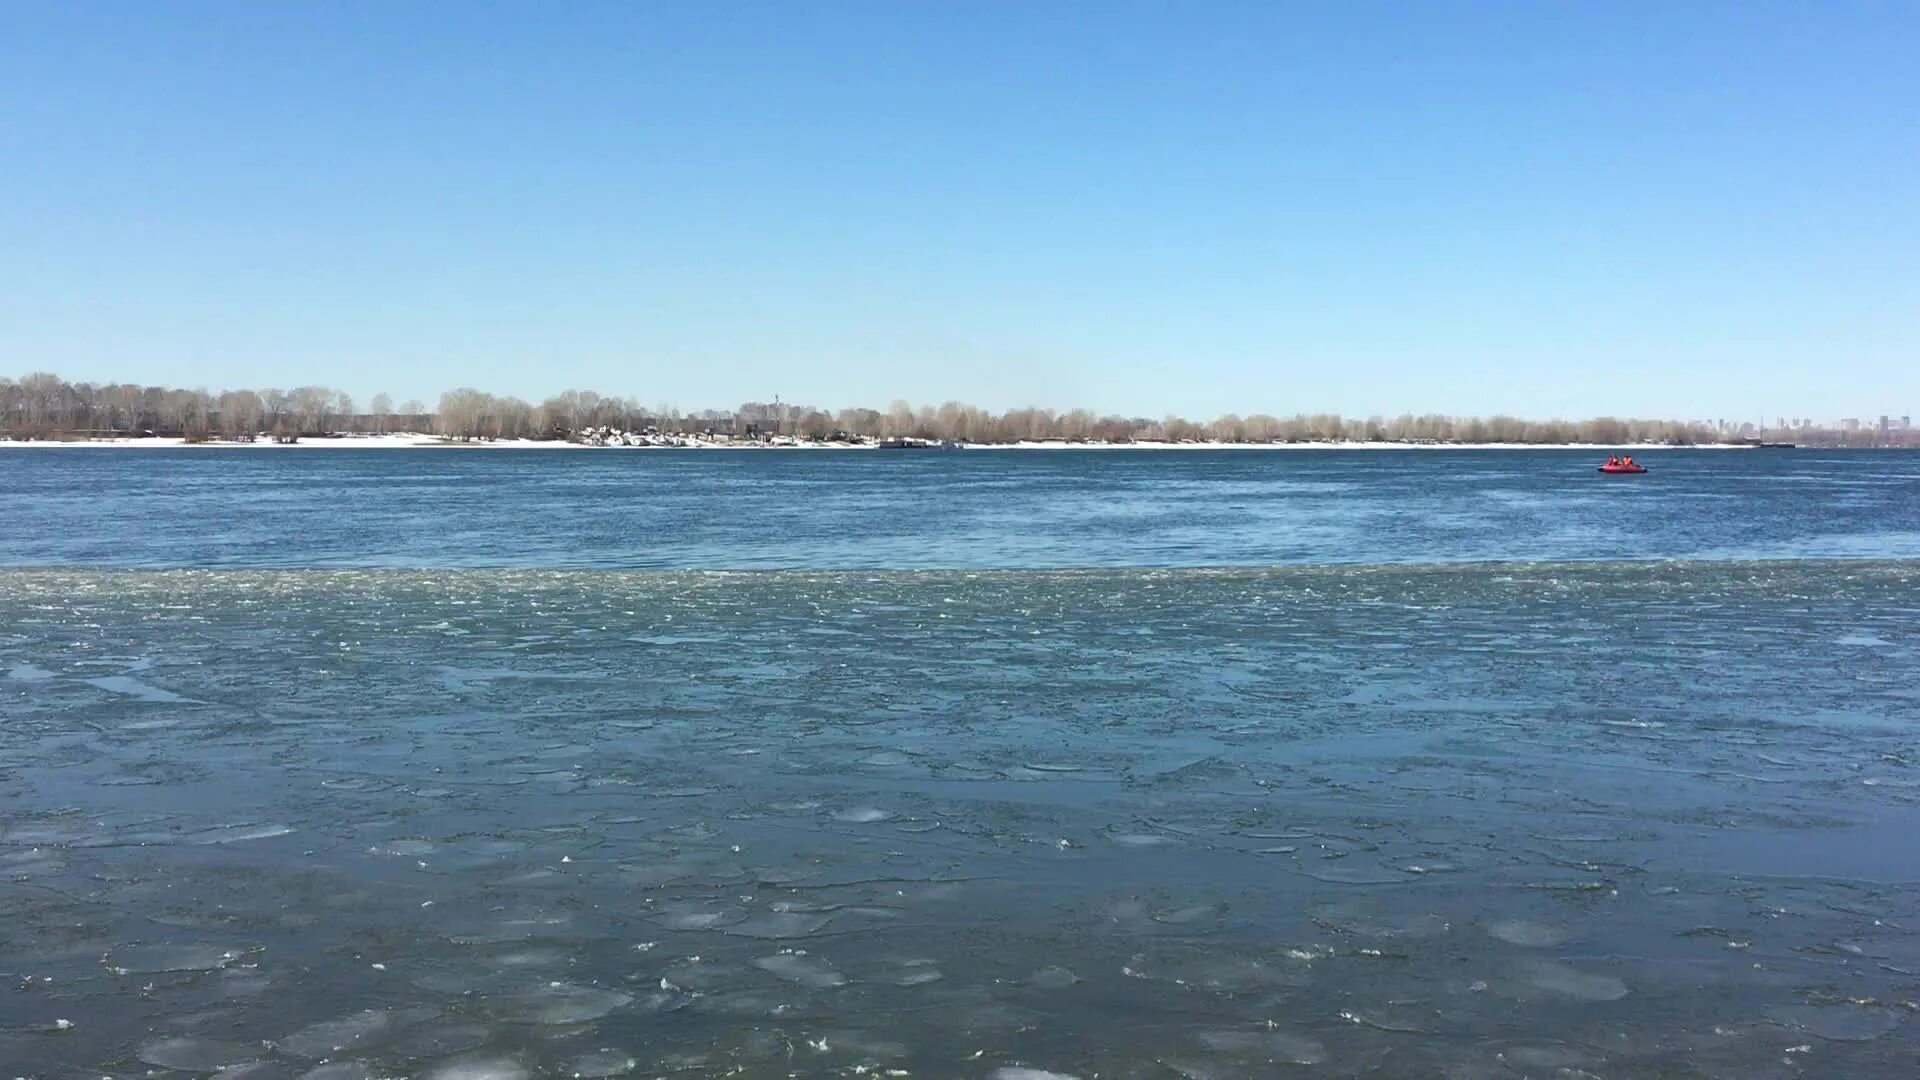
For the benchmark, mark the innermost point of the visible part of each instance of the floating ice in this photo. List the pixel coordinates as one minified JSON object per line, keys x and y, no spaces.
{"x":801,"y":968}
{"x":862,"y":815}
{"x":435,"y":1040}
{"x":533,"y":958}
{"x":1052,"y":978}
{"x":234,"y":834}
{"x":699,"y":918}
{"x":1222,"y":972}
{"x":563,"y":1004}
{"x":1192,"y":913}
{"x":257,"y":1070}
{"x":1569,"y":982}
{"x":780,"y":924}
{"x":1532,"y":935}
{"x":339,"y":1070}
{"x":197,"y":1055}
{"x":480,"y":1068}
{"x":597,"y":1064}
{"x":1838,"y":1023}
{"x":154,"y":959}
{"x":914,"y":973}
{"x":329,"y":1037}
{"x":409,"y":849}
{"x":1547,"y":1056}
{"x":1375,"y":920}
{"x":1018,"y":1072}
{"x":1345,"y":873}
{"x":135,"y":688}
{"x":862,"y":1045}
{"x":1272,"y":1046}
{"x":1406,"y":1020}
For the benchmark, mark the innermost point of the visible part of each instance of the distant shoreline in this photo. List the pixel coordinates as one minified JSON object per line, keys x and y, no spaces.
{"x":414,"y":441}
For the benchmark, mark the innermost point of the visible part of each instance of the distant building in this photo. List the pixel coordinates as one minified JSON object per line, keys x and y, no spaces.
{"x":1851,"y":423}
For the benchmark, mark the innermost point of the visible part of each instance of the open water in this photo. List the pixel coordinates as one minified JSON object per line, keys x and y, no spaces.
{"x":480,"y":766}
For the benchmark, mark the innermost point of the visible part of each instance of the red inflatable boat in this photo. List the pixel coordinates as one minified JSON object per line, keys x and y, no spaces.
{"x":1622,"y":470}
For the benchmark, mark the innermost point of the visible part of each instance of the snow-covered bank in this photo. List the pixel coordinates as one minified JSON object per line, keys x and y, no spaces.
{"x":415,"y":441}
{"x":395,"y":440}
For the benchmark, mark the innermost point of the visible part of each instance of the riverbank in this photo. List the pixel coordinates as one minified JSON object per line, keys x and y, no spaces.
{"x":418,"y":441}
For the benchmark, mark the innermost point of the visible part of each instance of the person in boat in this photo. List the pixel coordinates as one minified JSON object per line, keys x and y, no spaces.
{"x":1613,"y":462}
{"x":1627,"y":462}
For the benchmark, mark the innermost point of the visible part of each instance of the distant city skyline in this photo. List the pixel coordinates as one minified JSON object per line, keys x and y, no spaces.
{"x":1699,"y":210}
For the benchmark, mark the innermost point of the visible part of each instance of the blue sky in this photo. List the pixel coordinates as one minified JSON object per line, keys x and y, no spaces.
{"x":1691,"y":209}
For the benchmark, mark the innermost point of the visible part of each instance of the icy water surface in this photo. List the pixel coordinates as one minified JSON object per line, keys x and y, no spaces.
{"x":1595,"y":820}
{"x":709,"y":510}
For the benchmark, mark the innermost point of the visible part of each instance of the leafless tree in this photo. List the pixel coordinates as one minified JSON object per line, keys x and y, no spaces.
{"x":311,"y":405}
{"x":240,"y":414}
{"x":42,"y":405}
{"x":277,"y":412}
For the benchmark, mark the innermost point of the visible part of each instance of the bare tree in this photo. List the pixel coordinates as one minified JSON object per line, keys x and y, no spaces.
{"x":240,"y":414}
{"x":311,"y":405}
{"x":463,"y":413}
{"x":278,"y":413}
{"x":42,"y":405}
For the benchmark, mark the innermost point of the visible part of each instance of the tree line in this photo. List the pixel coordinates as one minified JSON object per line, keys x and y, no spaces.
{"x":45,"y":406}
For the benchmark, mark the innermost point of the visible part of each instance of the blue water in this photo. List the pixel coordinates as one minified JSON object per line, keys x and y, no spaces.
{"x":978,"y":509}
{"x":467,"y":765}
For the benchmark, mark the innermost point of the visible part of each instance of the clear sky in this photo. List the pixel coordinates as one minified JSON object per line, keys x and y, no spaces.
{"x":1654,"y":208}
